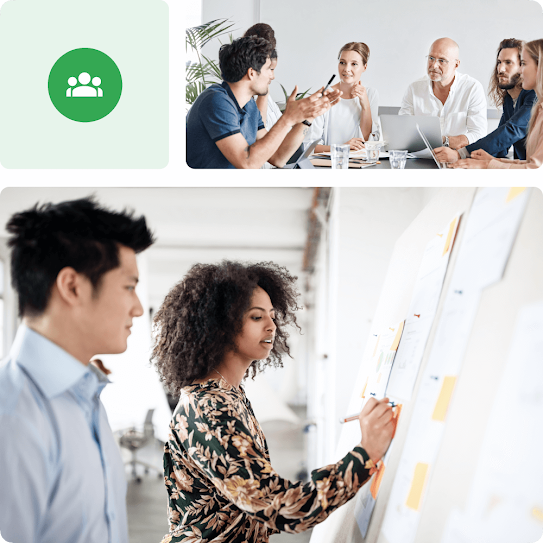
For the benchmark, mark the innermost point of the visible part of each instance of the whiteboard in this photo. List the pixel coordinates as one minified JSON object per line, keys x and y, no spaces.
{"x":483,"y":365}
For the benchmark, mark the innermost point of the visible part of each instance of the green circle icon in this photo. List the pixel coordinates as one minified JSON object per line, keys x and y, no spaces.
{"x":85,"y":85}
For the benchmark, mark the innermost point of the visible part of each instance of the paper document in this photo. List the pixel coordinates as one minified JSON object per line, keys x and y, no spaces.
{"x":421,"y":312}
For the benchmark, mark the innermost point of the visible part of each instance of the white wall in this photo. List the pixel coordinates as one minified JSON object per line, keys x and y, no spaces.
{"x":399,"y":33}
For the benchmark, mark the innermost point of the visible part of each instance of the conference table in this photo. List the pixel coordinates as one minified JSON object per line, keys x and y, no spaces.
{"x":384,"y":164}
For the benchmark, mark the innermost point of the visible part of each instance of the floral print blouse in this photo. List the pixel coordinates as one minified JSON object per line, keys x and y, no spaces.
{"x":221,"y":485}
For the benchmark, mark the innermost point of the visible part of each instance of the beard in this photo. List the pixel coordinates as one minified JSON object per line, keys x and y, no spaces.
{"x":513,"y":82}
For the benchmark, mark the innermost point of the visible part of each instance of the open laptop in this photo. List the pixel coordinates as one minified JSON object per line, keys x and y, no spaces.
{"x":400,"y":132}
{"x":427,"y":143}
{"x":303,"y":161}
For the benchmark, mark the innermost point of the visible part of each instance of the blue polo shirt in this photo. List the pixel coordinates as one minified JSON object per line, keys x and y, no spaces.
{"x":216,"y":115}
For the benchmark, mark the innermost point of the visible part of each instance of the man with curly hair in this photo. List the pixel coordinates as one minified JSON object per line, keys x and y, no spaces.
{"x":224,"y":126}
{"x":73,"y":266}
{"x":220,"y":324}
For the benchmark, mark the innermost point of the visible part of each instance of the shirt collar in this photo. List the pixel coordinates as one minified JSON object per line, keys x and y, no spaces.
{"x":226,"y":86}
{"x":453,"y":86}
{"x":52,"y":369}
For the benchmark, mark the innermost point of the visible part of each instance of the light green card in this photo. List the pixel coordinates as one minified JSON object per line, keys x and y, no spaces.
{"x":84,"y":84}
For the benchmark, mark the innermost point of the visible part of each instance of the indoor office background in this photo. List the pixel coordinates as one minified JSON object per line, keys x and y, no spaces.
{"x":287,"y":226}
{"x":310,"y":33}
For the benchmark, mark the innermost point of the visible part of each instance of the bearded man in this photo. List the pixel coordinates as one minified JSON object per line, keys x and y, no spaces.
{"x":506,"y":91}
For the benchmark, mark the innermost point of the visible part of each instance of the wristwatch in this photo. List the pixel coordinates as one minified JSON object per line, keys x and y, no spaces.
{"x":307,"y":123}
{"x":446,"y":143}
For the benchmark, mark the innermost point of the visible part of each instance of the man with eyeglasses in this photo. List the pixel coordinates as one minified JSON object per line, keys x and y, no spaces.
{"x":457,"y":99}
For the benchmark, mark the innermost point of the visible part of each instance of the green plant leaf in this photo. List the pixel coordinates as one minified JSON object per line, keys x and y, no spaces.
{"x":198,"y":36}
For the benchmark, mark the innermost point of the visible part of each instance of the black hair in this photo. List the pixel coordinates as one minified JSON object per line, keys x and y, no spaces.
{"x":237,"y":57}
{"x":79,"y":233}
{"x":202,"y":315}
{"x":262,"y":30}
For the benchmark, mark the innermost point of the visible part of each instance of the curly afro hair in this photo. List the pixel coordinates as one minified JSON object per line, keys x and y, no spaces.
{"x":203,"y":314}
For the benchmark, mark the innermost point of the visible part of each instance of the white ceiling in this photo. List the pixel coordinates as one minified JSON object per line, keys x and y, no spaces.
{"x":197,"y":224}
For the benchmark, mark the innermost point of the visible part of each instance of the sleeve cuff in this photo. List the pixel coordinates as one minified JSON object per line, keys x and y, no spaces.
{"x":463,"y":152}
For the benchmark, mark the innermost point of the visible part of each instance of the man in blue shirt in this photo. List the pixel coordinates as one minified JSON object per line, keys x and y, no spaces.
{"x":73,"y":266}
{"x":507,"y":92}
{"x":224,"y":126}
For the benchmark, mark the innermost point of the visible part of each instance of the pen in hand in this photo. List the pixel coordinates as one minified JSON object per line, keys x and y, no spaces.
{"x":328,"y":84}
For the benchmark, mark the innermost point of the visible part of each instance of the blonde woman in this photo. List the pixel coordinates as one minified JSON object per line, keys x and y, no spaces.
{"x":532,"y":78}
{"x":355,"y":117}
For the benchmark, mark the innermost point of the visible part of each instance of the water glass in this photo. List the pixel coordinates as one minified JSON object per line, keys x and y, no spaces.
{"x":372,"y":151}
{"x":340,"y":156}
{"x":397,"y":159}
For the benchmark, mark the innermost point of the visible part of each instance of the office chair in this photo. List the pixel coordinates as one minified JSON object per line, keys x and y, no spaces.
{"x":133,"y":440}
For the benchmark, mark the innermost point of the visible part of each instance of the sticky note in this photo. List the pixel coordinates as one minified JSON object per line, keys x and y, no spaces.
{"x":417,"y":486}
{"x":397,"y":338}
{"x":537,"y":512}
{"x":442,"y":404}
{"x":452,"y":227}
{"x":514,"y":192}
{"x":396,"y":417}
{"x":376,"y":483}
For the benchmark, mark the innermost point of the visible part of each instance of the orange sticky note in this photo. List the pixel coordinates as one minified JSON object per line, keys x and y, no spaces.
{"x":396,"y":417}
{"x":397,"y":338}
{"x":365,"y":387}
{"x":514,"y":192}
{"x":442,"y":404}
{"x":376,"y":483}
{"x":452,"y":226}
{"x":417,"y":486}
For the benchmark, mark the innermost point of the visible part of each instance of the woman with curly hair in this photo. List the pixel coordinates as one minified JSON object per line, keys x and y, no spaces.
{"x":222,"y":323}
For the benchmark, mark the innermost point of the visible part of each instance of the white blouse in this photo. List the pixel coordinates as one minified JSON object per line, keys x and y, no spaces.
{"x":342,"y":121}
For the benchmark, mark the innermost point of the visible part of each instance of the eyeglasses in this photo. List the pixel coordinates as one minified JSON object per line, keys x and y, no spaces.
{"x":442,"y":61}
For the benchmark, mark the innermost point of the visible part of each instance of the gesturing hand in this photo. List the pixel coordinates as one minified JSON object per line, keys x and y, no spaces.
{"x":377,"y":427}
{"x":310,"y":107}
{"x":359,"y":91}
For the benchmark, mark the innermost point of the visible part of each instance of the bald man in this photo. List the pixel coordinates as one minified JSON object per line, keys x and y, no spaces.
{"x":457,"y":99}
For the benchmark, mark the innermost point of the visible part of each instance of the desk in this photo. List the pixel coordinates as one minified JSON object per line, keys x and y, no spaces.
{"x":411,"y":164}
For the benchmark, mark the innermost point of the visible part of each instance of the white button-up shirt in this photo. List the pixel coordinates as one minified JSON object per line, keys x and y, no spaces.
{"x":61,"y":474}
{"x":464,"y":112}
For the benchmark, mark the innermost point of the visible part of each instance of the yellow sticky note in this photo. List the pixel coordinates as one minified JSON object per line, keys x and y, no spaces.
{"x":452,"y":226}
{"x":514,"y":192}
{"x":442,"y":404}
{"x":398,"y":337}
{"x":537,"y":512}
{"x":417,"y":486}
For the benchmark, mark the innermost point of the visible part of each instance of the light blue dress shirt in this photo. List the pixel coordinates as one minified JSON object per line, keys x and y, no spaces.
{"x":61,"y":474}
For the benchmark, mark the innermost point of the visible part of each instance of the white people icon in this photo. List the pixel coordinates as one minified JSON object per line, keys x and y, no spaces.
{"x":84,"y":90}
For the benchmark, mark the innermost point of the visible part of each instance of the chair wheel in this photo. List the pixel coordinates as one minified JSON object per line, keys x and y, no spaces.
{"x":138,"y":480}
{"x":146,"y":471}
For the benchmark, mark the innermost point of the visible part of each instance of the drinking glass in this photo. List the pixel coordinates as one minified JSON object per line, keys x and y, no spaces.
{"x":372,"y":151}
{"x":397,"y":159}
{"x":340,"y":156}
